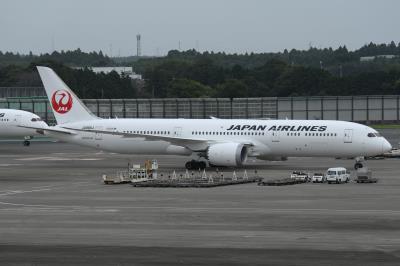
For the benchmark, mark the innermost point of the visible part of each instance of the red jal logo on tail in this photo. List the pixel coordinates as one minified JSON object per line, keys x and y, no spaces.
{"x":61,"y":101}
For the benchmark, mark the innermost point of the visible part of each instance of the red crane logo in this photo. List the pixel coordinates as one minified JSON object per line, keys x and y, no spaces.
{"x":61,"y":101}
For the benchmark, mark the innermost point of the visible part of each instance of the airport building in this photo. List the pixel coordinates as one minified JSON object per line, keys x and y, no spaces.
{"x":122,"y":71}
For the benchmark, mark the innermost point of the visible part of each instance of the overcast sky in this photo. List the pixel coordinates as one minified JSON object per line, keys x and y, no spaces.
{"x":232,"y":26}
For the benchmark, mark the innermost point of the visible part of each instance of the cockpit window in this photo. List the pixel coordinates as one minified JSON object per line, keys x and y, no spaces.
{"x":371,"y":135}
{"x":36,"y":119}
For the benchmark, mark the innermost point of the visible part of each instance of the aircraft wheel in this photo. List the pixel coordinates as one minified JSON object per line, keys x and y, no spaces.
{"x":358,"y":166}
{"x":27,"y":143}
{"x":189,"y":165}
{"x":195,"y":165}
{"x":202,"y":165}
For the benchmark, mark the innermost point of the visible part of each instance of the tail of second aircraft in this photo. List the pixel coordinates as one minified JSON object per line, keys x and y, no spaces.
{"x":65,"y":104}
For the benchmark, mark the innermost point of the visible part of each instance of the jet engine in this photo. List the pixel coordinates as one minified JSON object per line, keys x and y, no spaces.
{"x":227,"y":154}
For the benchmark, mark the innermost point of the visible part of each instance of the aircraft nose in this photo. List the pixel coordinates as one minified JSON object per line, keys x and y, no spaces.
{"x":386,"y":146}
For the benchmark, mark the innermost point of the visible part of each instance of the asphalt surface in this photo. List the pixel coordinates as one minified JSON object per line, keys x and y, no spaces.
{"x":54,"y":210}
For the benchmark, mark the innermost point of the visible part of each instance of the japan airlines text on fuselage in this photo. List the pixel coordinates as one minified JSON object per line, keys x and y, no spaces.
{"x":220,"y":141}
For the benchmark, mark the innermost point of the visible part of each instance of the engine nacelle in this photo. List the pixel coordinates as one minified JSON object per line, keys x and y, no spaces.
{"x":227,"y":154}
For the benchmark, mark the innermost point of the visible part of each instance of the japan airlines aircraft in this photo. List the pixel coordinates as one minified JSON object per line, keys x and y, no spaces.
{"x":220,"y":142}
{"x":11,"y":121}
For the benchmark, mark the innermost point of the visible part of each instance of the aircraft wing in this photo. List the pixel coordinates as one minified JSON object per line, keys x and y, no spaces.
{"x":50,"y":129}
{"x":192,"y":144}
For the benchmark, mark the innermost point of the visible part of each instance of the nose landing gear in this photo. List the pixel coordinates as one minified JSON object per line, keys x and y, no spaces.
{"x":27,"y":141}
{"x":195,"y":165}
{"x":358,"y":163}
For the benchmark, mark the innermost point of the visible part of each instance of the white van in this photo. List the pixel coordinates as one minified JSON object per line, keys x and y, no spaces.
{"x":337,"y":175}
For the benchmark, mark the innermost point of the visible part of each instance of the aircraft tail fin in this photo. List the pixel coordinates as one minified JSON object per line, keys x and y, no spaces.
{"x":66,"y":106}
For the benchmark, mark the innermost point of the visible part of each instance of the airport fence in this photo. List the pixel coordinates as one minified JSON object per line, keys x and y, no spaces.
{"x":364,"y":109}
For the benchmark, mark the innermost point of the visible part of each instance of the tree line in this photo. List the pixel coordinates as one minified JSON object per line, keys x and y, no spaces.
{"x":190,"y":73}
{"x":85,"y":83}
{"x":274,"y":78}
{"x":70,"y":58}
{"x":314,"y":71}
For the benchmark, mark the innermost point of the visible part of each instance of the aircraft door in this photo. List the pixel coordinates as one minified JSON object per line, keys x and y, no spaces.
{"x":98,"y":136}
{"x":177,"y":132}
{"x":348,"y":136}
{"x":17,"y":119}
{"x":275,"y":136}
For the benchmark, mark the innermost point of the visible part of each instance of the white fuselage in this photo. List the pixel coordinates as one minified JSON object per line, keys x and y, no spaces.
{"x":11,"y":120}
{"x":269,"y":138}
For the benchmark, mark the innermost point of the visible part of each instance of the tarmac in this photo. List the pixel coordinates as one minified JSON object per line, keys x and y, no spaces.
{"x":55,"y":210}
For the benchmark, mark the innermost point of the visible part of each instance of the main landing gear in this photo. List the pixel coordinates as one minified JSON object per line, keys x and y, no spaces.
{"x":195,"y":165}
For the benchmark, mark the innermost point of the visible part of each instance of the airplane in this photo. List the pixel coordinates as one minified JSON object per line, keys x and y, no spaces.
{"x":11,"y":121}
{"x":214,"y":142}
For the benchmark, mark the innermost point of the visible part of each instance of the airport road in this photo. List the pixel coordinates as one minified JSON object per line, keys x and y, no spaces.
{"x":54,"y":210}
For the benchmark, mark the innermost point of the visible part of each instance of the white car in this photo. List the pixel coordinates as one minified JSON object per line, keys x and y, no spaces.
{"x":337,"y":175}
{"x":318,"y":178}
